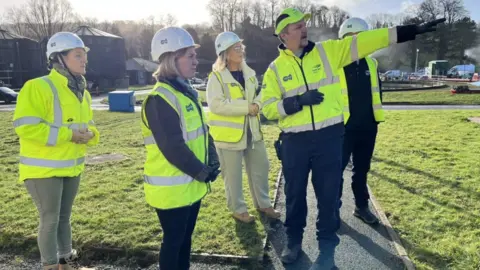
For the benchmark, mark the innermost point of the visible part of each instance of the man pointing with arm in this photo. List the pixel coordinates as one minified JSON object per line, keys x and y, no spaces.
{"x":301,"y":89}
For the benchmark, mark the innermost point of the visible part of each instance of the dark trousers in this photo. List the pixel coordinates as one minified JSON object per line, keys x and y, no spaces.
{"x":177,"y":225}
{"x":360,"y":145}
{"x":302,"y":153}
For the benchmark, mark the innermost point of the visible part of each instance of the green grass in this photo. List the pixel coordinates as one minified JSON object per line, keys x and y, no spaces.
{"x":430,"y":97}
{"x":426,"y":176}
{"x":110,"y":210}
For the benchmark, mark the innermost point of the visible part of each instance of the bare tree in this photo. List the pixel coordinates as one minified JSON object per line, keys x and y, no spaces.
{"x":244,"y":9}
{"x":453,"y":10}
{"x":273,"y":5}
{"x":42,"y":18}
{"x":337,"y":16}
{"x":218,"y":11}
{"x":168,"y":20}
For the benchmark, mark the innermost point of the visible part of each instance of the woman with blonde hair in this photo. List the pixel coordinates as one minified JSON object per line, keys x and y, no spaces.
{"x":235,"y":127}
{"x":181,"y":158}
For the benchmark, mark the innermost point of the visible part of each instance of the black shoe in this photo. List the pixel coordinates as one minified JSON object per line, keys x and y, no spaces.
{"x":324,"y":261}
{"x":290,"y":253}
{"x":366,"y":215}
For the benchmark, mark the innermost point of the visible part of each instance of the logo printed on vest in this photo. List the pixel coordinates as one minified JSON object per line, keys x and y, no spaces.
{"x":316,"y":68}
{"x":189,"y":107}
{"x":70,"y":120}
{"x":287,"y":78}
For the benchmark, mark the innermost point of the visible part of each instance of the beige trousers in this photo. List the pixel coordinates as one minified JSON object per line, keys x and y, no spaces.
{"x":256,"y":165}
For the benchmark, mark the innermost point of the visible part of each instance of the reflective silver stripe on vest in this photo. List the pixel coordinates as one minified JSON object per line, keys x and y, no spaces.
{"x":218,"y":123}
{"x":167,"y":180}
{"x":269,"y":101}
{"x":187,"y":136}
{"x":173,"y":100}
{"x":354,"y":49}
{"x":277,"y":76}
{"x":27,"y":120}
{"x":392,"y":35}
{"x":375,"y":89}
{"x":281,"y":109}
{"x":377,"y":106}
{"x":226,"y":90}
{"x":318,"y":125}
{"x":57,"y":164}
{"x":192,"y":135}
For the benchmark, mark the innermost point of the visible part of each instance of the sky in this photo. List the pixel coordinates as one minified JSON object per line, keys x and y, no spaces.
{"x":195,"y":11}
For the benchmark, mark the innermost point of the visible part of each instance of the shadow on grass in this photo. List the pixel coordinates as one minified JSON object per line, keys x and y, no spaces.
{"x":456,"y":186}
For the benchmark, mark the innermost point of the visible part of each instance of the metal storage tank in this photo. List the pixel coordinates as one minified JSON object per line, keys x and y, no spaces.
{"x":20,"y":59}
{"x":106,"y":58}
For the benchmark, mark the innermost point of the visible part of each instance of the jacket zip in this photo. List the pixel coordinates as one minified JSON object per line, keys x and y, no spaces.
{"x":306,"y":85}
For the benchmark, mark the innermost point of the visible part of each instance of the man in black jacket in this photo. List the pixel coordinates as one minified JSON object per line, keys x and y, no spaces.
{"x":362,"y":113}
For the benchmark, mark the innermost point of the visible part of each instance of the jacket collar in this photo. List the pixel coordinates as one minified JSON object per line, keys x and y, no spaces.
{"x":246,"y":70}
{"x":180,"y":86}
{"x":286,"y":52}
{"x":57,"y":77}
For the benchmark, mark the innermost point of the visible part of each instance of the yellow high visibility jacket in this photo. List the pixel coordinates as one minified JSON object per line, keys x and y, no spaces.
{"x":376,"y":100}
{"x":166,"y":186}
{"x":46,"y":114}
{"x":230,"y":127}
{"x":289,"y":76}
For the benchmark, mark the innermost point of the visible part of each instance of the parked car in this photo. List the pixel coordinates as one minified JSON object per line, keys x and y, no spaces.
{"x":8,"y":95}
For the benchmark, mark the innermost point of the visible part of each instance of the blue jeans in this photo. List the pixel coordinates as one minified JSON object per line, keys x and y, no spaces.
{"x":322,"y":155}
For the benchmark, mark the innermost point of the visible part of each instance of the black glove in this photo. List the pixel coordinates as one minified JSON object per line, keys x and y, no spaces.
{"x":311,"y":97}
{"x":428,"y":26}
{"x":212,"y":176}
{"x":208,"y":174}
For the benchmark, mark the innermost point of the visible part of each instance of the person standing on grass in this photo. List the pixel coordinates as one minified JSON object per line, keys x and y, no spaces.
{"x":362,"y":112}
{"x":234,"y":122}
{"x":181,"y":157}
{"x":54,"y":122}
{"x":301,"y":89}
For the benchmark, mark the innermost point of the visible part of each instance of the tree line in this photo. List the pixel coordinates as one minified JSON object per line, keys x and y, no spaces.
{"x":458,"y":40}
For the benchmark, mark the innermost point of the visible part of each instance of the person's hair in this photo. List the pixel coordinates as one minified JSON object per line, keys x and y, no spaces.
{"x":284,"y":31}
{"x":53,"y":59}
{"x":221,"y":62}
{"x":168,"y":64}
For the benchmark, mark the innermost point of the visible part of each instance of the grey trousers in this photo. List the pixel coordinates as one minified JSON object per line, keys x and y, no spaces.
{"x":256,"y":165}
{"x":54,"y":199}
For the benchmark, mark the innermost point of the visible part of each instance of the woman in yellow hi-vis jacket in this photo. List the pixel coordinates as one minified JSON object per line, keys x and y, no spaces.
{"x":181,"y":159}
{"x":235,"y":127}
{"x":53,"y":120}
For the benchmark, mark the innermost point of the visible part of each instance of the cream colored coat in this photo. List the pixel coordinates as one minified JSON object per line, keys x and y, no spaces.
{"x":219,"y":104}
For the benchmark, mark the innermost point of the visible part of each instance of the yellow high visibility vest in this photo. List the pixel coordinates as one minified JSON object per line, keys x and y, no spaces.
{"x":376,"y":101}
{"x":166,"y":186}
{"x":228,"y":128}
{"x":290,"y":76}
{"x":46,"y":114}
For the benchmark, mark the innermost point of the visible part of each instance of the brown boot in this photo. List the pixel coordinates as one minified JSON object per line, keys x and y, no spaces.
{"x":270,"y":212}
{"x":71,"y":263}
{"x":50,"y":267}
{"x":244,"y":217}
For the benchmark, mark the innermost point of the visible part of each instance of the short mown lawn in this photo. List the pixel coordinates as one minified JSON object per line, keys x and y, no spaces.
{"x":426,"y":176}
{"x":430,"y":97}
{"x":110,"y":210}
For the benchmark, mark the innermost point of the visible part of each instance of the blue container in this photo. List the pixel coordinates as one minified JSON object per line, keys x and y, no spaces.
{"x":121,"y":101}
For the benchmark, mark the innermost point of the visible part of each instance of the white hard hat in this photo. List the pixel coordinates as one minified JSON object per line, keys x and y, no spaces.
{"x":64,"y":41}
{"x":352,"y":25}
{"x":225,"y":40}
{"x":171,"y":39}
